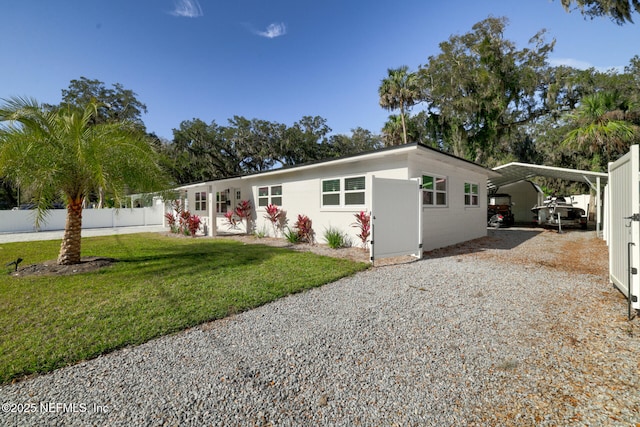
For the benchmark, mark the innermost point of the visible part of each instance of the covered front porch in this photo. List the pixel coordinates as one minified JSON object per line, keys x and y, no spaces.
{"x":211,"y":201}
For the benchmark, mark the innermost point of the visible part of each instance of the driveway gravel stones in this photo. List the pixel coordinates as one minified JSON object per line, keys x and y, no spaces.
{"x":487,"y":333}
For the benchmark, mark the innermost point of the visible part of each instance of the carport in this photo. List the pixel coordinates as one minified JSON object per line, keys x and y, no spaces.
{"x":514,"y":172}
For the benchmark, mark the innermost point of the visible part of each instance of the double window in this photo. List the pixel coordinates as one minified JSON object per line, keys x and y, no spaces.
{"x":343,"y":191}
{"x":434,"y":190}
{"x":270,"y":195}
{"x":201,"y":201}
{"x":471,"y":194}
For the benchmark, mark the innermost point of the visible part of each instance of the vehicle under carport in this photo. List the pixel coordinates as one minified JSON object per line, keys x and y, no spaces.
{"x":515,"y":172}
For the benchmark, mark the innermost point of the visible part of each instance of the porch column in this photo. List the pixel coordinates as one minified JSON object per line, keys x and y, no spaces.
{"x":212,"y":212}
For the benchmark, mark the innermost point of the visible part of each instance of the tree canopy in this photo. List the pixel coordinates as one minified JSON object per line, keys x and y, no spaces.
{"x":113,"y":104}
{"x":481,"y":88}
{"x":201,"y":152}
{"x":489,"y":101}
{"x":619,"y":11}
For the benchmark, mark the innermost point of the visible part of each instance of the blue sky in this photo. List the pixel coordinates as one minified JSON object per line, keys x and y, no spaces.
{"x":276,"y":60}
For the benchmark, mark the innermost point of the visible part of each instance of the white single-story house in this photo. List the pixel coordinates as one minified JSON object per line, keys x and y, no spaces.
{"x":419,"y":198}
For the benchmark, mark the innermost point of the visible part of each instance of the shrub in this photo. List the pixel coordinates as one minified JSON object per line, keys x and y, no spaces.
{"x":193,"y":224}
{"x":184,"y":218}
{"x":363,"y":222}
{"x":305,"y":229}
{"x":183,"y":222}
{"x":231,"y":221}
{"x":243,"y":211}
{"x":291,"y":235}
{"x":171,"y":220}
{"x":277,"y":217}
{"x":335,"y":238}
{"x":262,"y":233}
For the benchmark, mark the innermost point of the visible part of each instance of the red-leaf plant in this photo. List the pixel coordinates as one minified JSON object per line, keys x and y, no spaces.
{"x":182,"y":222}
{"x":243,"y":211}
{"x":305,"y":230}
{"x":193,"y":223}
{"x":276,"y":216}
{"x":231,"y":221}
{"x":175,"y":220}
{"x":171,"y":221}
{"x":363,"y":222}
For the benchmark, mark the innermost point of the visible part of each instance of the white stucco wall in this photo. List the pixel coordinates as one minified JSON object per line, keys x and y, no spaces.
{"x":302,"y":192}
{"x":455,"y":222}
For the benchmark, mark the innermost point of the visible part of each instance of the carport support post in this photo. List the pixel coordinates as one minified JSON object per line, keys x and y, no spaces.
{"x":559,"y":223}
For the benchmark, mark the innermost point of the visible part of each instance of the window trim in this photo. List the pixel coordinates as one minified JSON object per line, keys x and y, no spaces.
{"x":435,"y":191}
{"x":269,"y":197}
{"x":200,"y":199}
{"x":342,"y":192}
{"x":471,"y":195}
{"x":222,"y":206}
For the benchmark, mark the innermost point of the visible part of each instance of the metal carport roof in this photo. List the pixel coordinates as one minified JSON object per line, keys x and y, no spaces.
{"x":514,"y":172}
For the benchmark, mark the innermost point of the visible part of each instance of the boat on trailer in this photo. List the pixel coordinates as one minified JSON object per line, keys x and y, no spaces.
{"x":557,"y":211}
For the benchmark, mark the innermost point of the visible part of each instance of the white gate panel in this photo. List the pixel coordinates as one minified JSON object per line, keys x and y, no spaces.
{"x":624,"y":233}
{"x":395,"y":218}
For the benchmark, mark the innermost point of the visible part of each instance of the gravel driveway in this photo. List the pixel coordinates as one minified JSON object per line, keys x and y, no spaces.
{"x":506,"y":330}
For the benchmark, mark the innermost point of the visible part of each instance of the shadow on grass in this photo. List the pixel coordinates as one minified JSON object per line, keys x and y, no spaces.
{"x":193,"y":257}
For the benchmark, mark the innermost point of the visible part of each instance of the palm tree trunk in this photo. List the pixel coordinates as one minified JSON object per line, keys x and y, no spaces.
{"x":70,"y":248}
{"x":404,"y":126}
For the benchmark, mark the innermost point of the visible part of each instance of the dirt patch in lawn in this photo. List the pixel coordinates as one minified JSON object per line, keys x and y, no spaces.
{"x":52,"y":268}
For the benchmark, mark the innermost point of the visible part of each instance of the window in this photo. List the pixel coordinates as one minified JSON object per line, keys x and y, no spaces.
{"x":271,"y":195}
{"x":354,"y":191}
{"x":331,"y":192}
{"x":343,"y":192}
{"x":201,"y":201}
{"x":434,"y":190}
{"x":221,"y":202}
{"x":471,"y":194}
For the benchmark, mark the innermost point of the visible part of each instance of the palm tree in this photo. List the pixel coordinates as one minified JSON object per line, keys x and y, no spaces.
{"x":57,"y":152}
{"x":400,"y":90}
{"x":393,"y":132}
{"x":604,"y":126}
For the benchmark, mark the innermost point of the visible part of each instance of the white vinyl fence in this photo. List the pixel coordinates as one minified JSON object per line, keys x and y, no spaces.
{"x":623,"y":230}
{"x":19,"y":221}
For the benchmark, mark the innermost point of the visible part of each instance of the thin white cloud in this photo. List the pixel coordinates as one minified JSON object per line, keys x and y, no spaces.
{"x":187,"y":9}
{"x":273,"y":31}
{"x":583,"y":65}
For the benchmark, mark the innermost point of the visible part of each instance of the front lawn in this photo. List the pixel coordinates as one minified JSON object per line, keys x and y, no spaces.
{"x":160,"y":285}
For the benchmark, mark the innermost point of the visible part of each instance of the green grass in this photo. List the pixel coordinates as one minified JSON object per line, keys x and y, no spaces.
{"x":160,"y":285}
